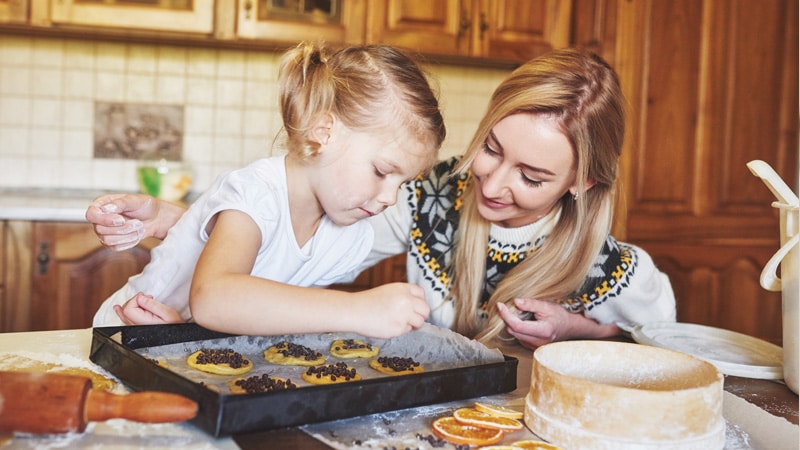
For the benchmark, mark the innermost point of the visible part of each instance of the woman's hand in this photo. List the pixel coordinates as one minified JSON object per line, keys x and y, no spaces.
{"x":121,"y":221}
{"x":143,"y":309}
{"x":550,"y":323}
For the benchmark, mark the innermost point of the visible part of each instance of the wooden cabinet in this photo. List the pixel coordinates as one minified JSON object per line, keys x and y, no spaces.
{"x":712,"y":85}
{"x":505,"y":32}
{"x":56,"y":274}
{"x":14,"y":11}
{"x":185,"y":16}
{"x":497,"y":29}
{"x":291,"y":21}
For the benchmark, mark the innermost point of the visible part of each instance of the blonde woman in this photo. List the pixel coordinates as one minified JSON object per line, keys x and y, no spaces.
{"x":513,"y":236}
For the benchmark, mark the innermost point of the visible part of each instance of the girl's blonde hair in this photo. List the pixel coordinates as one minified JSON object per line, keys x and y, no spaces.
{"x":374,"y":87}
{"x":581,"y":93}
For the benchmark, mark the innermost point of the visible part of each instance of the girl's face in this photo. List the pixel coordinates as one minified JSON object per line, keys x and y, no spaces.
{"x":525,"y":166}
{"x":359,"y":173}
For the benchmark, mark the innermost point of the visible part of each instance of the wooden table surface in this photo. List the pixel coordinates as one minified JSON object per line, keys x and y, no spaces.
{"x":773,"y":397}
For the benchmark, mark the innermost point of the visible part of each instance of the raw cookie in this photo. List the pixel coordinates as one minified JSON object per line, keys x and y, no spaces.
{"x":330,"y":374}
{"x":394,"y":365}
{"x":353,"y":348}
{"x":259,"y":383}
{"x":219,"y":361}
{"x":289,"y":354}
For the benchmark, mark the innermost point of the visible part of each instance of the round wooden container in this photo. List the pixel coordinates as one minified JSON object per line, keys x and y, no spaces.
{"x":615,"y":395}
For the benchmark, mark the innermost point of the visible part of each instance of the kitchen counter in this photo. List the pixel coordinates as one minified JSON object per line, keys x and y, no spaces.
{"x":760,"y":414}
{"x":67,"y":205}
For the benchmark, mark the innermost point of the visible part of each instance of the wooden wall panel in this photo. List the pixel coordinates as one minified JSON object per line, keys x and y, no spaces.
{"x":712,"y":85}
{"x":669,"y":98}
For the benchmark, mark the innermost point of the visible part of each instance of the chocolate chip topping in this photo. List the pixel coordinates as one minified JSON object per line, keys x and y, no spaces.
{"x":351,"y":344}
{"x":222,"y":356}
{"x":263,"y":383}
{"x":397,"y":363}
{"x":298,"y":351}
{"x":333,"y":371}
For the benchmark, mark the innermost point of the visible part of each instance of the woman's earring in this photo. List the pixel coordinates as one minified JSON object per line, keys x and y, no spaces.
{"x":575,"y":197}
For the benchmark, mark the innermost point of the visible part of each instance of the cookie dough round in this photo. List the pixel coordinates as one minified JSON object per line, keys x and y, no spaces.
{"x":331,"y":374}
{"x":219,"y":361}
{"x":289,"y":354}
{"x":353,"y":348}
{"x":259,"y":383}
{"x":394,"y":365}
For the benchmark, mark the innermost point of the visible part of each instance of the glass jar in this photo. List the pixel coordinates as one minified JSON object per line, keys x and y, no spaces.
{"x":162,"y":178}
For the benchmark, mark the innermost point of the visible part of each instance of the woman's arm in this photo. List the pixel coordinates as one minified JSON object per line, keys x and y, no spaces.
{"x":225,"y":297}
{"x":123,"y":220}
{"x":641,"y":294}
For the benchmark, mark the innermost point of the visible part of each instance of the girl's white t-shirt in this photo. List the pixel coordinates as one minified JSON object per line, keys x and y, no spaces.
{"x":333,"y":255}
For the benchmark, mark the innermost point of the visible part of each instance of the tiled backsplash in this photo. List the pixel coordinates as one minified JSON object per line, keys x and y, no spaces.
{"x":48,"y":88}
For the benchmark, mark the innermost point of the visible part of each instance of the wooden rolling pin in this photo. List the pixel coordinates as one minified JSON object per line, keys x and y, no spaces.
{"x":48,"y":403}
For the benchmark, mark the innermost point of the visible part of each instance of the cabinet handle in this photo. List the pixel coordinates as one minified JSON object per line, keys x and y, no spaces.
{"x":43,"y":258}
{"x":484,"y":25}
{"x":465,"y":24}
{"x":248,"y":6}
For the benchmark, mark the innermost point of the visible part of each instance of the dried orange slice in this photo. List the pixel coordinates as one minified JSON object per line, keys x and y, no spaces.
{"x":471,"y":416}
{"x":499,"y":411}
{"x":533,"y":445}
{"x":449,"y":429}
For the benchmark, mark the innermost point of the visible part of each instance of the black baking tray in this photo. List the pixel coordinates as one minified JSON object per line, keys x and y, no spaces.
{"x":221,"y":414}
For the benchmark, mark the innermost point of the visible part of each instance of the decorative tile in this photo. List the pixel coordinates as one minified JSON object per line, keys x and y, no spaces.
{"x":131,"y":130}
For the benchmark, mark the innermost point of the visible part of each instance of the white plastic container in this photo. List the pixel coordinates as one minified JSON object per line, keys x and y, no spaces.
{"x":788,"y":259}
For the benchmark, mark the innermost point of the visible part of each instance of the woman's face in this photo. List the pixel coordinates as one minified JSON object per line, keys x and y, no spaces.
{"x":525,"y":166}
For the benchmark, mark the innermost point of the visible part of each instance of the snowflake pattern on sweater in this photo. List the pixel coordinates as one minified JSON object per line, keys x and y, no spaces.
{"x":436,"y":202}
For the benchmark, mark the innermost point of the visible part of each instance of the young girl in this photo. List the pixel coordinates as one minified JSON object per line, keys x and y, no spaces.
{"x":359,"y":122}
{"x":513,"y":236}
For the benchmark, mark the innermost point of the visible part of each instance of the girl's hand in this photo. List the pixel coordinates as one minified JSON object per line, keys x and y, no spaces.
{"x":552,"y":323}
{"x":122,"y":220}
{"x":391,"y":310}
{"x":143,"y":309}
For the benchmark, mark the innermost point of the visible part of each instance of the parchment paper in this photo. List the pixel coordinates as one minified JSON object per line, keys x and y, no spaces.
{"x":435,"y":348}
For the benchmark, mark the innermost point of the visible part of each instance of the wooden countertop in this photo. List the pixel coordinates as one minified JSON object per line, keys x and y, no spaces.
{"x":68,"y":205}
{"x":763,"y":401}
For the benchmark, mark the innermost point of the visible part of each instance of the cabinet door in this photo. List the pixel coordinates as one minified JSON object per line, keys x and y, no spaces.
{"x":520,"y":29}
{"x":713,"y":85}
{"x":71,"y":274}
{"x":193,"y":16}
{"x":433,"y":27}
{"x":292,"y":21}
{"x":14,"y":11}
{"x":497,"y":29}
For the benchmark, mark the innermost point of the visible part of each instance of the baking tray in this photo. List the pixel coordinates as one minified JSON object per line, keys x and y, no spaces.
{"x":224,"y":414}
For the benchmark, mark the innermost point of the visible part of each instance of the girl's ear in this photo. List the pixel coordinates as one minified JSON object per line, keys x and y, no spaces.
{"x":322,"y":129}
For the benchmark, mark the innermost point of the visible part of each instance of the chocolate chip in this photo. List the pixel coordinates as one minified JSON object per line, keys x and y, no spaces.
{"x":222,"y":356}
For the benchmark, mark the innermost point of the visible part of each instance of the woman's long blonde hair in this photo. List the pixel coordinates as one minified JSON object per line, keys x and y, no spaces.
{"x":581,"y":92}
